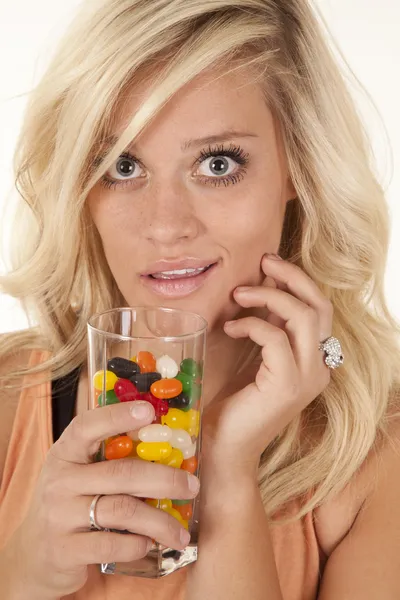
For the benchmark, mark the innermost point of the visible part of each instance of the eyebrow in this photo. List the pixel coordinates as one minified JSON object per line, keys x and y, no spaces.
{"x":191,"y":143}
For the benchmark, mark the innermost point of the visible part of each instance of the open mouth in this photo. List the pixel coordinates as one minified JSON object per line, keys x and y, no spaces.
{"x":180,"y":273}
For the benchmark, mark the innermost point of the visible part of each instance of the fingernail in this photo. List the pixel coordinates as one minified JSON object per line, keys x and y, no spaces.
{"x":274,"y":256}
{"x":185,"y":537}
{"x":141,"y":409}
{"x":242,"y":288}
{"x":193,"y":483}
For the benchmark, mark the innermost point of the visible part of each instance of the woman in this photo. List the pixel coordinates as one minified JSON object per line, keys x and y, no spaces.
{"x":176,"y":134}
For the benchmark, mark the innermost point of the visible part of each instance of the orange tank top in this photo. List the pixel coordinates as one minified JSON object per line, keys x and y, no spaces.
{"x":295,"y":546}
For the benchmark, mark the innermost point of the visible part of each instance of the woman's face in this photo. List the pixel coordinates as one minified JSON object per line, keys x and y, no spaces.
{"x":191,"y":202}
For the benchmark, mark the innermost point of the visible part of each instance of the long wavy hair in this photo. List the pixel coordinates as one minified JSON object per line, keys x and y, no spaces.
{"x":337,"y":230}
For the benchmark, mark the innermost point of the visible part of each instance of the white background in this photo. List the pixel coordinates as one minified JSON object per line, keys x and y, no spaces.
{"x":367,"y":34}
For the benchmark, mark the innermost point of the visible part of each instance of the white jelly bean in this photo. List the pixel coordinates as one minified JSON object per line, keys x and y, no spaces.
{"x":167,"y":367}
{"x":155,"y":433}
{"x":180,"y":439}
{"x":189,"y":451}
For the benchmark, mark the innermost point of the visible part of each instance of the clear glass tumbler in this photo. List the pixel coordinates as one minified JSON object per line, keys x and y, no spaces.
{"x":153,"y":354}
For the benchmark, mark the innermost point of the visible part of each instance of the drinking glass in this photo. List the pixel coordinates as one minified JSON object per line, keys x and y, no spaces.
{"x":154,"y":354}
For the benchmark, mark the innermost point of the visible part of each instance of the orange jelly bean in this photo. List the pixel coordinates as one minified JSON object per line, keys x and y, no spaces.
{"x":166,"y":388}
{"x":189,"y":464}
{"x":119,"y":447}
{"x":186,"y":511}
{"x":146,"y":361}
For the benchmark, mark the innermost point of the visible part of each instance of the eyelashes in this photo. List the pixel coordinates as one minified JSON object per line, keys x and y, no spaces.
{"x":233,"y":153}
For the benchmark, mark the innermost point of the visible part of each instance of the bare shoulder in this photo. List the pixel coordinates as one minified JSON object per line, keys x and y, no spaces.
{"x":335,"y":518}
{"x":9,"y":399}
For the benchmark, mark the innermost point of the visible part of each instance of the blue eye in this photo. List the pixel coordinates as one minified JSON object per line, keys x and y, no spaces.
{"x":127,"y":166}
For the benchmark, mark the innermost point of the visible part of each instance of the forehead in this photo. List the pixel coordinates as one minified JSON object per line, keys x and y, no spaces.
{"x":213,"y":101}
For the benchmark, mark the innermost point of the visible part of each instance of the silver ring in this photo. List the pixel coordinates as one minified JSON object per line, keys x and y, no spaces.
{"x":333,"y":352}
{"x":92,"y":520}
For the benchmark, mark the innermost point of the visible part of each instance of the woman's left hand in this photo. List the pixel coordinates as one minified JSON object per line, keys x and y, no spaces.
{"x":236,"y":430}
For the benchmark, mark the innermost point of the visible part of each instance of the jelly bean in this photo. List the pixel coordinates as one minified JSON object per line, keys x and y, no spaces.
{"x":122,"y":367}
{"x":190,"y":464}
{"x":190,"y":367}
{"x":167,"y":367}
{"x":155,"y":433}
{"x":180,"y":502}
{"x":97,"y":393}
{"x":154,"y":450}
{"x":133,"y":453}
{"x":163,"y":503}
{"x":119,"y":447}
{"x":189,"y":451}
{"x":194,"y":422}
{"x":152,"y":502}
{"x":98,"y":377}
{"x":175,"y":459}
{"x":161,"y":407}
{"x":174,"y":513}
{"x":143,"y":381}
{"x":111,"y":398}
{"x":186,"y":381}
{"x":124,"y":387}
{"x":180,"y":439}
{"x":195,"y":392}
{"x":185,"y":510}
{"x":182,"y":401}
{"x":166,"y":388}
{"x":185,"y":524}
{"x":146,"y":361}
{"x":176,"y":419}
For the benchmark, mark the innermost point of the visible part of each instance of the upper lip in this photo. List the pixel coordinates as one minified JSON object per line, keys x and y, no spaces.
{"x":176,"y":265}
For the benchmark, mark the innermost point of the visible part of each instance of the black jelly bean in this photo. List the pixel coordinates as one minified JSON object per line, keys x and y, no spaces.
{"x":143,"y":381}
{"x":122,"y":367}
{"x":182,"y":401}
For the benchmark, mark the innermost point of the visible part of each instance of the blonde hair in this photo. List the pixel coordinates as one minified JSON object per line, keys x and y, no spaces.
{"x":337,"y":230}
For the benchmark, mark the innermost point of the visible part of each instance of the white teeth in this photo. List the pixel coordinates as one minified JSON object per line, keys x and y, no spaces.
{"x":178,"y":273}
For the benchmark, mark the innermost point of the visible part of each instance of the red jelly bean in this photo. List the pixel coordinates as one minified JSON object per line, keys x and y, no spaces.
{"x":120,"y":447}
{"x":162,"y":408}
{"x":126,"y":390}
{"x":189,"y":464}
{"x":146,"y":361}
{"x":166,"y":388}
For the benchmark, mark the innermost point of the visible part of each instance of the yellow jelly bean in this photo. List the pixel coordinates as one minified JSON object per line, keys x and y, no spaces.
{"x":165,"y":503}
{"x":111,"y":379}
{"x":154,"y":450}
{"x":185,"y":524}
{"x":174,"y":513}
{"x":194,"y":422}
{"x":175,"y":459}
{"x":176,"y":419}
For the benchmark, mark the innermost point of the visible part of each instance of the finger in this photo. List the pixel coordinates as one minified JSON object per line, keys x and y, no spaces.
{"x":100,"y":547}
{"x":301,"y":321}
{"x":129,"y":476}
{"x":298,"y":283}
{"x":81,"y":439}
{"x":276,"y":351}
{"x":128,"y":513}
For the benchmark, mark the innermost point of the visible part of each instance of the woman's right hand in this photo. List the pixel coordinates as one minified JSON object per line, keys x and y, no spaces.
{"x":54,"y":545}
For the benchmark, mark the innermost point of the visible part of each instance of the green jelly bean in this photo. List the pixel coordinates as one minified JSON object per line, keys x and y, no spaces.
{"x":180,"y":502}
{"x":186,"y":381}
{"x":111,"y":398}
{"x":190,"y":367}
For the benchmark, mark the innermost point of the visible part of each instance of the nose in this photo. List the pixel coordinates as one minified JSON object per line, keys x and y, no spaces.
{"x":169,"y":216}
